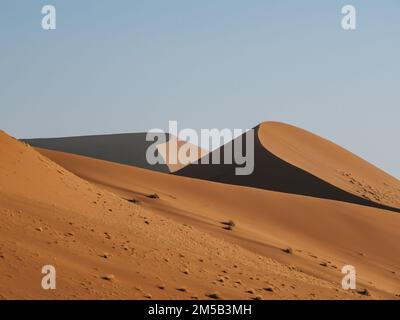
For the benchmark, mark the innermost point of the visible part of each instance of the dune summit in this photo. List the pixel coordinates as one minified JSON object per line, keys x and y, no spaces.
{"x":292,"y":160}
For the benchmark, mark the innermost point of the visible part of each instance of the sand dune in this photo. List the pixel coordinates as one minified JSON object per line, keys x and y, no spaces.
{"x":105,"y":247}
{"x":170,"y":153}
{"x":324,"y":234}
{"x":330,"y":162}
{"x":292,"y":160}
{"x":128,"y":148}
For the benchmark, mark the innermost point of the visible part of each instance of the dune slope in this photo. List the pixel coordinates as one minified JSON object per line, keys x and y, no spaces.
{"x":330,"y":162}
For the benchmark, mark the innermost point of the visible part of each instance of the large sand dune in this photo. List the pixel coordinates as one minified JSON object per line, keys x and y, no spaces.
{"x":291,"y":160}
{"x":125,"y":148}
{"x":105,"y":247}
{"x":324,"y":234}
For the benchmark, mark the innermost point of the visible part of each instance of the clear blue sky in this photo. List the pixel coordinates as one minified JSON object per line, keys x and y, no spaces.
{"x":128,"y":66}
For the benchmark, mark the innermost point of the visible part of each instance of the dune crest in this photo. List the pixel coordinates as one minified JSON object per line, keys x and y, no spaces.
{"x":330,"y":162}
{"x":292,"y":160}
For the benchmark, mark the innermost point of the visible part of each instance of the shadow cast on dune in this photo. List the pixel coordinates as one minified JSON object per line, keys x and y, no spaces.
{"x":124,"y":148}
{"x":274,"y":174}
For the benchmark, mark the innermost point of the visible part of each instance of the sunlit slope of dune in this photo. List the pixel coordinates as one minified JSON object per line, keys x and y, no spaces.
{"x":330,"y":162}
{"x":173,"y":148}
{"x":291,"y":160}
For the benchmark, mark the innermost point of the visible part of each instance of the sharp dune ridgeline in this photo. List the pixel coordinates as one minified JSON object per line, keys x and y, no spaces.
{"x":117,"y":230}
{"x":292,"y":160}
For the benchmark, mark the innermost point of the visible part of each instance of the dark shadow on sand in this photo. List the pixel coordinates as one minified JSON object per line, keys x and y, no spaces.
{"x":125,"y":148}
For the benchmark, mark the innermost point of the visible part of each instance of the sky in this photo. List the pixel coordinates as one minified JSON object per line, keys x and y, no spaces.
{"x":130,"y":66}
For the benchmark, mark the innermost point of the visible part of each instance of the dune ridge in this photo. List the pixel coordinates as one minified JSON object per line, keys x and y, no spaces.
{"x":292,"y":160}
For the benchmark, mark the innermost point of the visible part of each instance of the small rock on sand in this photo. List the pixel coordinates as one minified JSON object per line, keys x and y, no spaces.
{"x":108,"y":277}
{"x":214,"y":295}
{"x":363,"y":292}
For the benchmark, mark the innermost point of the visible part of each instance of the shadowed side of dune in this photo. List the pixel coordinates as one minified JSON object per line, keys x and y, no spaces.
{"x":127,"y":148}
{"x":274,"y":174}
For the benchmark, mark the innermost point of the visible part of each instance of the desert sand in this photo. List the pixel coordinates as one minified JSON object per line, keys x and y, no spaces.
{"x":169,"y":151}
{"x":119,"y":231}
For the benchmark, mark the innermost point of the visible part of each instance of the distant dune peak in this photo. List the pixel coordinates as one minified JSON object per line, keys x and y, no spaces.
{"x":330,"y":162}
{"x":292,"y":160}
{"x":173,"y":148}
